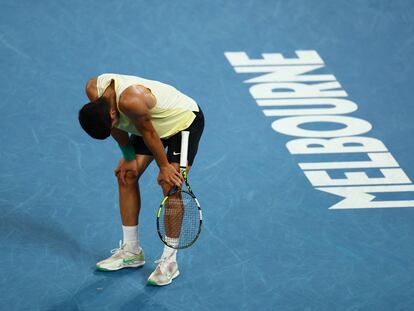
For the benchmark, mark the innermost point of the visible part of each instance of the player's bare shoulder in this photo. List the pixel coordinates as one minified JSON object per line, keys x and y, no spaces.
{"x":90,"y":88}
{"x":136,"y":100}
{"x":139,"y":95}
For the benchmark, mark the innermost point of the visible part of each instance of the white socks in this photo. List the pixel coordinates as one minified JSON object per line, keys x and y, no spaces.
{"x":131,"y":239}
{"x":170,"y":253}
{"x":132,"y":245}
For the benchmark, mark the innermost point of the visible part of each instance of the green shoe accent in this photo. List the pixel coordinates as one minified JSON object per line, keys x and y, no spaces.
{"x":130,"y":260}
{"x":103,"y":269}
{"x":152,"y":283}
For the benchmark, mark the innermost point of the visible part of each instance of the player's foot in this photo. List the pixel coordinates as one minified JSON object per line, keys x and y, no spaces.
{"x":164,"y":273}
{"x":121,"y":258}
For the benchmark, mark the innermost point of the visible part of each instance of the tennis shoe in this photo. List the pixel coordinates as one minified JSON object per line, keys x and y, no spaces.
{"x":164,"y":273}
{"x":121,"y":258}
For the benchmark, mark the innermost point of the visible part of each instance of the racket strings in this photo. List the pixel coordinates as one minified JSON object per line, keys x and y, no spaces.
{"x":180,"y":219}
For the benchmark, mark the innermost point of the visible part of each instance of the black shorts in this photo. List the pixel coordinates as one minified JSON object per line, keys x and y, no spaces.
{"x":173,"y":143}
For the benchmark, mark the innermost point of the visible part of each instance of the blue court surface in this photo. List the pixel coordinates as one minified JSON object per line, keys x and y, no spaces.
{"x":294,"y":217}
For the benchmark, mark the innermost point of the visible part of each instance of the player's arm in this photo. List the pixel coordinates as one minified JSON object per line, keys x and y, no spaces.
{"x":121,"y":137}
{"x":135,"y":103}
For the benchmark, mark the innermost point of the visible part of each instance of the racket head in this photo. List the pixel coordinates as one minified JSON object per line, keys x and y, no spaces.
{"x":179,"y":219}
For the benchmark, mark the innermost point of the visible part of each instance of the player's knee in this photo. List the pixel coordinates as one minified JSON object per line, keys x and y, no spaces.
{"x":130,"y":178}
{"x":166,"y":189}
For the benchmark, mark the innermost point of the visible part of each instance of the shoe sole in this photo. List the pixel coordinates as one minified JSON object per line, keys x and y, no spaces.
{"x":137,"y":265}
{"x":153,"y":283}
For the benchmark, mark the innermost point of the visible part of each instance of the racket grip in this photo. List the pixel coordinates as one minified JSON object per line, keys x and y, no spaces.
{"x":184,"y":148}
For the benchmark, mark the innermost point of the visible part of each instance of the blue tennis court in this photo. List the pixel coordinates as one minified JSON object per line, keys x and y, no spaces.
{"x":304,"y":170}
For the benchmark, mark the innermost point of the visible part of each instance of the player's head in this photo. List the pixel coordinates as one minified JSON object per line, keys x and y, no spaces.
{"x":95,"y":118}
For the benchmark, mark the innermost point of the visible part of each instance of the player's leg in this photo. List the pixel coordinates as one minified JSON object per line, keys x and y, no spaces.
{"x":129,"y":253}
{"x":130,"y":203}
{"x":167,"y":268}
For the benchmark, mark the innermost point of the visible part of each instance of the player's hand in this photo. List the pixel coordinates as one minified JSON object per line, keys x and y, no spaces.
{"x":169,"y":176}
{"x":125,"y":166}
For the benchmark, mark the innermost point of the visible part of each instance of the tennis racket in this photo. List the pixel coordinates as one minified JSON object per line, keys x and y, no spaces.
{"x":179,"y":217}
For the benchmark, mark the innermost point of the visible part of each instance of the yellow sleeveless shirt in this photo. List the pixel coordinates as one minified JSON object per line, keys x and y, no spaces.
{"x":173,"y":111}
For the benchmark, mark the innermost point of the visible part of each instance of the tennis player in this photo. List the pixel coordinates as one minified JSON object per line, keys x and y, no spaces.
{"x":145,"y":118}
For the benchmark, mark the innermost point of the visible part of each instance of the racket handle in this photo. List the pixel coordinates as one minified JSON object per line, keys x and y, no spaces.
{"x":184,"y":148}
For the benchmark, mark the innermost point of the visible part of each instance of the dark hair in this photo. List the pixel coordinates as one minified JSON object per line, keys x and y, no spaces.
{"x":95,"y":119}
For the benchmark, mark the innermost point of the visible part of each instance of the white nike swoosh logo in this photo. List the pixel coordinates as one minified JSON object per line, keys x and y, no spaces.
{"x":176,"y":153}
